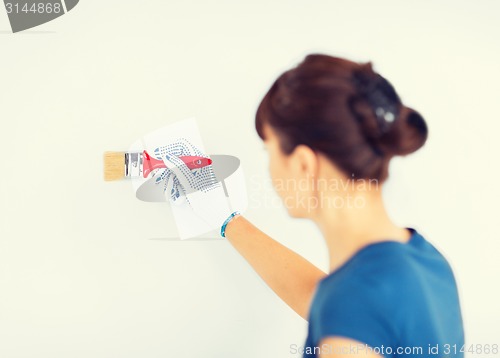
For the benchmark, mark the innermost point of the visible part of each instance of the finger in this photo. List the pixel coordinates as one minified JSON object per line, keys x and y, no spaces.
{"x":180,"y":169}
{"x":168,"y":187}
{"x":163,"y":173}
{"x":178,"y":191}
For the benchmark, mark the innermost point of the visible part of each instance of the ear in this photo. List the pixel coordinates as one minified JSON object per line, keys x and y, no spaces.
{"x":304,"y":161}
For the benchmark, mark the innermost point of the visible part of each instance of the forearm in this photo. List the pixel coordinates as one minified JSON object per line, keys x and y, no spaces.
{"x":289,"y":275}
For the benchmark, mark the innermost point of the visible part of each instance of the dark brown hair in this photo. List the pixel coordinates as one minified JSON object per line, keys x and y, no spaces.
{"x":330,"y":105}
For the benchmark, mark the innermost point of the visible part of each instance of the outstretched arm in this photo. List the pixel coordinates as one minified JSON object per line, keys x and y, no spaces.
{"x":289,"y":275}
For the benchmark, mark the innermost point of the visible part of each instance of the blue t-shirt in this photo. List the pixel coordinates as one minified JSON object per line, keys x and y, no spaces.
{"x":398,"y":299}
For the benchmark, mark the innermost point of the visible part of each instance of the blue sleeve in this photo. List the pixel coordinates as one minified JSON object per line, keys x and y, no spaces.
{"x":357,"y":311}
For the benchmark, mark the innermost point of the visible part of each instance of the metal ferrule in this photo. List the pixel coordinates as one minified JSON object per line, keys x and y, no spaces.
{"x":133,"y":165}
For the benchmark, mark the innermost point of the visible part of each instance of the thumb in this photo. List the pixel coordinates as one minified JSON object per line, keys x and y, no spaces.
{"x":180,"y":170}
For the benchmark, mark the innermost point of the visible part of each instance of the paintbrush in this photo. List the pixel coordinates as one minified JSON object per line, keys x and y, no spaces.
{"x":119,"y":165}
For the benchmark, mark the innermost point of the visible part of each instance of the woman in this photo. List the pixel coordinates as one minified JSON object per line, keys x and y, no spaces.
{"x":334,"y":125}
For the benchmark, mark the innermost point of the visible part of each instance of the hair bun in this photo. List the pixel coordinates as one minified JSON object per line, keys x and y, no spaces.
{"x":407,"y":134}
{"x":389,"y":126}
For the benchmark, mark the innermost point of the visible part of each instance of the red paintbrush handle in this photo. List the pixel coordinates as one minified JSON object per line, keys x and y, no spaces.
{"x":191,"y":161}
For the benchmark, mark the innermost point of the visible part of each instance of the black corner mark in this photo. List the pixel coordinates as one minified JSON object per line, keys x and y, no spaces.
{"x":25,"y":14}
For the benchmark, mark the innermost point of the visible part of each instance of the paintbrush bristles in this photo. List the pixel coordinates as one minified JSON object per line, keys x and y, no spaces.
{"x":114,"y":165}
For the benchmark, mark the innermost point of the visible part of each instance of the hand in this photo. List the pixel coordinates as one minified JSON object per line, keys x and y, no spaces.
{"x":198,"y":187}
{"x":172,"y":185}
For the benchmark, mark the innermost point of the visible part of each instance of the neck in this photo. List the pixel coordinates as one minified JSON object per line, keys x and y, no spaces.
{"x":349,"y":228}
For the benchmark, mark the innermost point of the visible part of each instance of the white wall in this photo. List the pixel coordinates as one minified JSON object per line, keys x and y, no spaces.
{"x":85,"y":269}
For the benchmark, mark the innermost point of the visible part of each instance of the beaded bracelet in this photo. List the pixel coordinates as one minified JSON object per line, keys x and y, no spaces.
{"x":223,"y":228}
